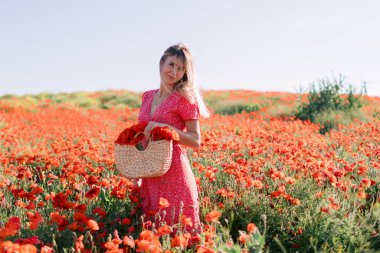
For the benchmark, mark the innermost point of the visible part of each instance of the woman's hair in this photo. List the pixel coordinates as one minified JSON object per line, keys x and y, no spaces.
{"x":186,"y":86}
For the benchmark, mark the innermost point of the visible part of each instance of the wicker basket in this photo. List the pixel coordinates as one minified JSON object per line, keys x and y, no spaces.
{"x":154,"y":161}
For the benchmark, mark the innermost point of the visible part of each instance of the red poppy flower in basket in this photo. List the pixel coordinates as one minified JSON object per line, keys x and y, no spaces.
{"x":131,"y":135}
{"x":164,"y":133}
{"x":134,"y":162}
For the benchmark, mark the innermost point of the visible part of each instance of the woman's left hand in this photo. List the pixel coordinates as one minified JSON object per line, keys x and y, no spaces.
{"x":151,"y":125}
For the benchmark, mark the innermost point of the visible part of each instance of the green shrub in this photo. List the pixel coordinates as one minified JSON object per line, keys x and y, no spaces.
{"x":59,"y":98}
{"x":234,"y":107}
{"x":214,"y":99}
{"x":82,"y":100}
{"x":327,"y":99}
{"x":7,"y":96}
{"x":280,"y":111}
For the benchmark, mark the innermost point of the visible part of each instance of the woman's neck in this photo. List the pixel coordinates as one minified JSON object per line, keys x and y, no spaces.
{"x":164,"y":90}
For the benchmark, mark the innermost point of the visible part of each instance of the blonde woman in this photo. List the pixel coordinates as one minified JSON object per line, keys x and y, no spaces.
{"x":178,"y":105}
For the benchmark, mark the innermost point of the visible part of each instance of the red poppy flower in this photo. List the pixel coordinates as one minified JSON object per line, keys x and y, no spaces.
{"x":179,"y":241}
{"x":213,"y":216}
{"x":93,"y":225}
{"x":163,"y":203}
{"x":35,"y":219}
{"x":128,"y":241}
{"x":10,"y":228}
{"x":251,"y":227}
{"x":93,"y":192}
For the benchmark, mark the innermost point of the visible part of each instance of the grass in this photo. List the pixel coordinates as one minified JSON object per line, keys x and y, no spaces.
{"x":312,"y":189}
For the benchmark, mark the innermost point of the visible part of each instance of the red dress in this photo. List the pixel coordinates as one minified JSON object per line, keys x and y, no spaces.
{"x":178,"y":184}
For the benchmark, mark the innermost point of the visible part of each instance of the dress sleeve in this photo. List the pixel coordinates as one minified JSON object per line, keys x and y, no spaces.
{"x":187,"y":110}
{"x":142,"y":114}
{"x":144,"y":96}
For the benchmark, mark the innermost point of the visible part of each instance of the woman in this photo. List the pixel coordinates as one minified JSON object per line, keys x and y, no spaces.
{"x":175,"y":104}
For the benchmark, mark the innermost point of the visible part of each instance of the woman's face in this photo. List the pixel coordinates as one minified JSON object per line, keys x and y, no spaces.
{"x":172,"y":70}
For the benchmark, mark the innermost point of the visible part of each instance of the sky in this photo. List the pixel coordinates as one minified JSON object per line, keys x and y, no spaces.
{"x":77,"y":45}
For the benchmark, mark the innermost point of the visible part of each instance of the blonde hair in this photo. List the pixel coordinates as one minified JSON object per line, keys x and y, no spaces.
{"x":186,"y":86}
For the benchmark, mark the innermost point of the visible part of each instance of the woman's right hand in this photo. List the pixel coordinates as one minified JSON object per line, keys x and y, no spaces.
{"x":151,"y":125}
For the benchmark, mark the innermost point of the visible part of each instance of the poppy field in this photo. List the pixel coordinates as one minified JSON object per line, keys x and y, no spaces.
{"x":267,"y":181}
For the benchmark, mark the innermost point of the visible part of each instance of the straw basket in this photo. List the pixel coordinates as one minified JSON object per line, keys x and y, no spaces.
{"x":154,"y":161}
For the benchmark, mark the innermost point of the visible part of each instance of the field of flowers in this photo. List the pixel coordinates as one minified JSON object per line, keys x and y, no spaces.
{"x":267,"y":181}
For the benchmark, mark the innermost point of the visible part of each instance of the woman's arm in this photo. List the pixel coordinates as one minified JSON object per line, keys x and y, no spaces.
{"x":191,"y":138}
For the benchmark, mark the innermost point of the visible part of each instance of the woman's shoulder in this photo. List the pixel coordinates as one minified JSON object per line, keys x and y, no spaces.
{"x":187,"y":108}
{"x":148,"y":93}
{"x":187,"y":98}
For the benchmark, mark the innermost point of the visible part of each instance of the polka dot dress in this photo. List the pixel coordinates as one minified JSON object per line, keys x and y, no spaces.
{"x":178,"y":185}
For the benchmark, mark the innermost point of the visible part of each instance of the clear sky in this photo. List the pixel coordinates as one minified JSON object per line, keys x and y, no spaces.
{"x":77,"y":45}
